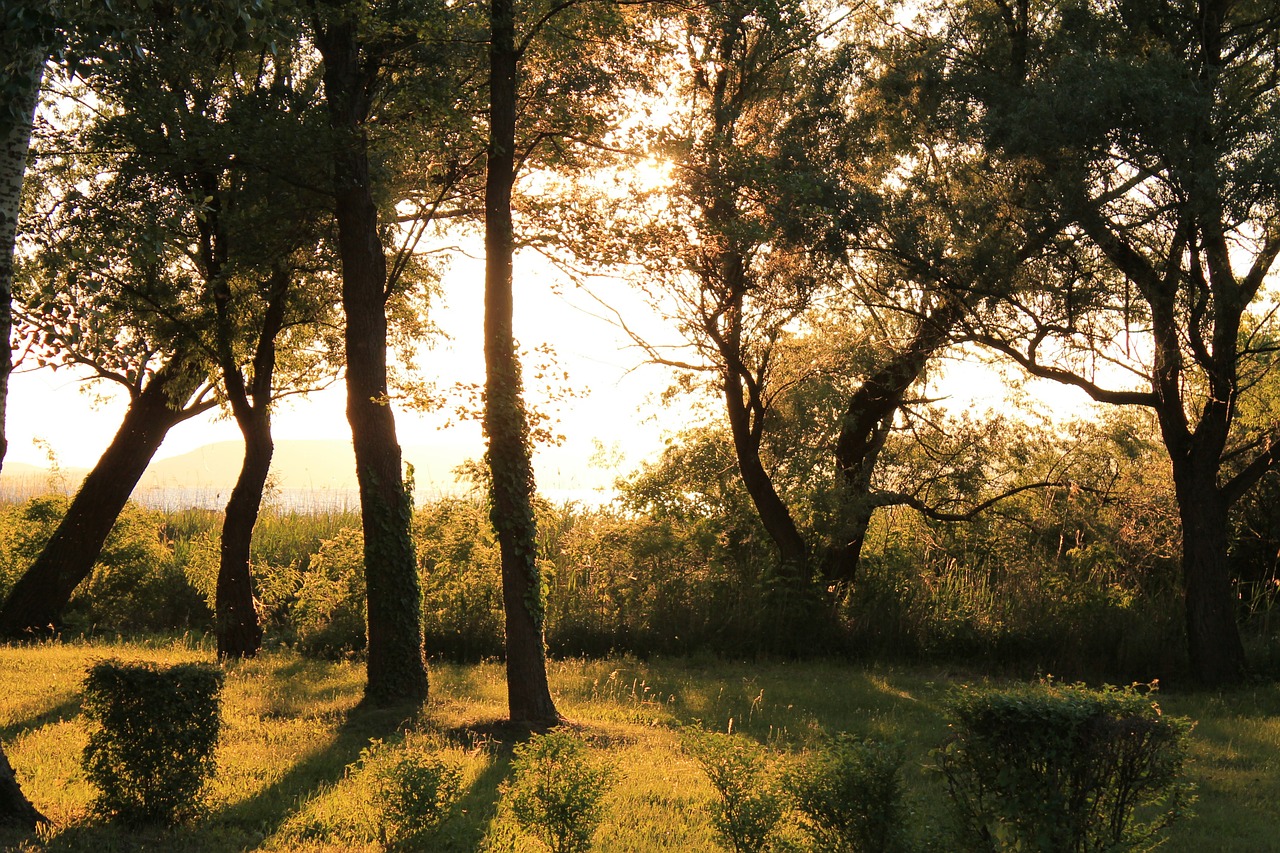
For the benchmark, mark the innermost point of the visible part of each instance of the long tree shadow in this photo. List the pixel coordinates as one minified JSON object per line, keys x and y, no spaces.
{"x":59,"y":712}
{"x":246,"y":824}
{"x":473,"y":816}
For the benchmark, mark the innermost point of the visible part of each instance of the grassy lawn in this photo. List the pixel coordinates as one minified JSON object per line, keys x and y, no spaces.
{"x":291,"y":775}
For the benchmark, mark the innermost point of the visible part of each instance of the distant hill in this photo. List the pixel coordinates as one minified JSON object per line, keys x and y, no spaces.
{"x":305,"y":473}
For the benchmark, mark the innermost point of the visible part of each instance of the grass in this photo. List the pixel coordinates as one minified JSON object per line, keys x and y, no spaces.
{"x":296,"y":765}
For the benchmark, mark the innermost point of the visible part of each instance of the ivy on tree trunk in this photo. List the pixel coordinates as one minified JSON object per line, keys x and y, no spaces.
{"x":397,"y":669}
{"x":505,"y":420}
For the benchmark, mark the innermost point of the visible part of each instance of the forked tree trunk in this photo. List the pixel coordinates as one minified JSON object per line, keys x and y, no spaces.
{"x":36,"y":602}
{"x":864,"y":427}
{"x":238,"y":629}
{"x":505,"y":420}
{"x":15,"y":808}
{"x":397,"y":669}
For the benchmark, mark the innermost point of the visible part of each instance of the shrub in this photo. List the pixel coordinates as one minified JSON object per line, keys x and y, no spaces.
{"x":461,"y":570}
{"x":556,"y":790}
{"x":850,"y":798}
{"x":328,"y":615}
{"x":750,"y":804}
{"x":153,"y":746}
{"x":1054,"y":768}
{"x":417,"y":792}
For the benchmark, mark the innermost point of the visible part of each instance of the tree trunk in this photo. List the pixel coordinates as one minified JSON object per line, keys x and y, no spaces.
{"x":397,"y":669}
{"x":36,"y":601}
{"x":1213,"y":635}
{"x":238,"y":630}
{"x":505,"y":420}
{"x":867,"y":420}
{"x":15,"y":808}
{"x":793,"y":552}
{"x":21,"y":81}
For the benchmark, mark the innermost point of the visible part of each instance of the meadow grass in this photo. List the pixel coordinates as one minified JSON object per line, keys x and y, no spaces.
{"x":298,"y":757}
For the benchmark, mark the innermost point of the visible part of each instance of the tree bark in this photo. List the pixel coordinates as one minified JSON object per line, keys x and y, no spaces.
{"x":867,"y":420}
{"x":15,"y":808}
{"x":793,"y":551}
{"x":397,"y":669}
{"x":239,"y":632}
{"x":505,"y":420}
{"x":36,"y":601}
{"x":1213,"y":636}
{"x":22,"y":81}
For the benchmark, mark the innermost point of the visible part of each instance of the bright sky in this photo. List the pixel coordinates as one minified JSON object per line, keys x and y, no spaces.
{"x":50,"y":410}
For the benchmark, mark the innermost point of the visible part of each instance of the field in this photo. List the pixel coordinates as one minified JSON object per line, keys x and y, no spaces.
{"x":294,"y":757}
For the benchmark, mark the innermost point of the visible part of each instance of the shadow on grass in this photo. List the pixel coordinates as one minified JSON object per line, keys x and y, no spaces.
{"x":60,"y":712}
{"x":246,"y":824}
{"x":467,"y":829}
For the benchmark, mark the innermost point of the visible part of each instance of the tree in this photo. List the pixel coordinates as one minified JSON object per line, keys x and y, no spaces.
{"x":1152,"y":128}
{"x":755,"y":184}
{"x":84,"y":310}
{"x":356,"y":47}
{"x":26,"y":34}
{"x":231,"y":225}
{"x":505,"y":421}
{"x":550,"y":82}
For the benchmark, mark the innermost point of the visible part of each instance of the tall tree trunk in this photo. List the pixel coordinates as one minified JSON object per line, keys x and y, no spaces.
{"x":397,"y":668}
{"x":1213,"y":635}
{"x":36,"y":601}
{"x":505,"y":419}
{"x":23,"y":67}
{"x":238,"y":630}
{"x":15,"y":808}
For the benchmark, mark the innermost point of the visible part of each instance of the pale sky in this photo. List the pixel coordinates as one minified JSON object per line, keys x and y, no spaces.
{"x":51,"y":407}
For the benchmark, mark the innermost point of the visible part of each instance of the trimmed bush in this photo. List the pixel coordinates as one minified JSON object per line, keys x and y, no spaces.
{"x":557,"y":790}
{"x":1063,"y":768}
{"x":750,"y":804}
{"x":152,"y":749}
{"x":849,"y":796}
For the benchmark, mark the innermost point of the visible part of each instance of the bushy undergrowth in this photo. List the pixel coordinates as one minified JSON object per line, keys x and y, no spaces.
{"x":1077,"y":588}
{"x":749,"y":801}
{"x":849,"y":796}
{"x":415,"y":791}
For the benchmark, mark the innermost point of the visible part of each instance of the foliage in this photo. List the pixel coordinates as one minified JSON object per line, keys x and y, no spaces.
{"x":557,"y":790}
{"x":416,"y":792}
{"x":328,"y":615}
{"x":750,"y":803}
{"x":157,"y":728}
{"x":137,"y":585}
{"x":460,"y":568}
{"x":850,"y":797}
{"x":1064,"y":768}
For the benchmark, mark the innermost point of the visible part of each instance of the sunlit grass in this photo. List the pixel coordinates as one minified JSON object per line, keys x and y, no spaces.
{"x":295,"y":772}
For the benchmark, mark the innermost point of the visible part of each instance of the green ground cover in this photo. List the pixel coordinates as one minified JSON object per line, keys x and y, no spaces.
{"x":296,"y":767}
